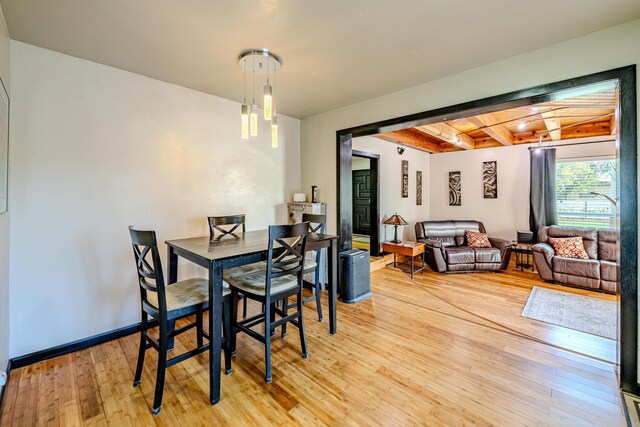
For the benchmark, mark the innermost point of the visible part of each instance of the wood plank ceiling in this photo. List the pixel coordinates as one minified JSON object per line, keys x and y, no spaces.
{"x":585,"y":116}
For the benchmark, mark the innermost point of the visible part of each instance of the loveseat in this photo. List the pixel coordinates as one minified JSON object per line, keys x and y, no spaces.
{"x":599,"y":272}
{"x":446,"y":248}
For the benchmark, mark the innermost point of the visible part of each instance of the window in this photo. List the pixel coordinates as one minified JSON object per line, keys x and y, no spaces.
{"x":583,"y":189}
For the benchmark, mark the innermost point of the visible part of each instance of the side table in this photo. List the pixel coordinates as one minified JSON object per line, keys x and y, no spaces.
{"x":524,"y":256}
{"x":410,"y":249}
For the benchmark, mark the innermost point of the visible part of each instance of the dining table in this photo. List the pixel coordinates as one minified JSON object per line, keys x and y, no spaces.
{"x":222,"y":252}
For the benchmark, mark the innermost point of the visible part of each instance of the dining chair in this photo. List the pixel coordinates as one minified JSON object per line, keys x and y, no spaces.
{"x":280,"y":279}
{"x":166,"y":304}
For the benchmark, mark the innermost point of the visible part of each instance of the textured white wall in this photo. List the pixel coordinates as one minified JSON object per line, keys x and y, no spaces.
{"x":4,"y":218}
{"x":508,"y":213}
{"x":391,"y":200}
{"x":96,"y":149}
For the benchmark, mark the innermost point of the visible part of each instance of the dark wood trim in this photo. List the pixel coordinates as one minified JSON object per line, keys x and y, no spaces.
{"x":39,"y":356}
{"x":4,"y":387}
{"x":626,"y":79}
{"x":374,"y":166}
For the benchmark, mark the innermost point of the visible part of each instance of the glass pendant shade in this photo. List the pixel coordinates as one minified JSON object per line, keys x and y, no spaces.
{"x":274,"y":132}
{"x":268,"y":102}
{"x":253,"y":122}
{"x":245,"y":121}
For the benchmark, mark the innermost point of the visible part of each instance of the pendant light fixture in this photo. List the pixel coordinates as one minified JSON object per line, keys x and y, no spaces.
{"x":261,"y":62}
{"x":244,"y":111}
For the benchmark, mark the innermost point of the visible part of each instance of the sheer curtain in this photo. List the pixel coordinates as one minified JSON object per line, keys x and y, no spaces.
{"x":543,"y":203}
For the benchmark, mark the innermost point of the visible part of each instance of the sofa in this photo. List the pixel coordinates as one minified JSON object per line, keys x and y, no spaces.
{"x":446,"y":249}
{"x":599,"y":272}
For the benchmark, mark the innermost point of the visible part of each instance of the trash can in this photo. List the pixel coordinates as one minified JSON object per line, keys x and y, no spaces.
{"x":355,"y":269}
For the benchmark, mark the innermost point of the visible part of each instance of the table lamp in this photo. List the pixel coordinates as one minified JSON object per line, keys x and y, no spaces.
{"x":395,"y":220}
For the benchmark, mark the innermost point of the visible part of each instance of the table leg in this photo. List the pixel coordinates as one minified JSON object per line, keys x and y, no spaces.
{"x":172,"y":274}
{"x":394,"y":260}
{"x":332,"y":255}
{"x":215,"y":328}
{"x":411,"y":267}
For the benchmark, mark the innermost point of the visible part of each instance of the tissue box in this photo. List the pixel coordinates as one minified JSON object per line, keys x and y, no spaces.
{"x":299,"y":197}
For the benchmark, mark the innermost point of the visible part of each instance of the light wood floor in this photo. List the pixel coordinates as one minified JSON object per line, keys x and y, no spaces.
{"x":406,"y":356}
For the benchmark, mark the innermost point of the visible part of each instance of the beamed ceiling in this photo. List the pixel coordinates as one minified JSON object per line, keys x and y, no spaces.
{"x":585,"y":116}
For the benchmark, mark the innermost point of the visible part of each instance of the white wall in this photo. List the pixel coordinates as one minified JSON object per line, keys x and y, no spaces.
{"x":391,"y":200}
{"x":95,"y":149}
{"x":503,"y":216}
{"x":4,"y":218}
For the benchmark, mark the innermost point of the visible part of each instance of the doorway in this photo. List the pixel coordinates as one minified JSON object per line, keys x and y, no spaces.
{"x":365,"y":204}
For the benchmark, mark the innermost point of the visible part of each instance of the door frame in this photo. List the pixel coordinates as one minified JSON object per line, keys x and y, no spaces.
{"x":374,"y":166}
{"x":625,"y":77}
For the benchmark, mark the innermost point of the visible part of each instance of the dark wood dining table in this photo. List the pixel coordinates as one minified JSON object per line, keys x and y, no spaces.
{"x":232,"y":250}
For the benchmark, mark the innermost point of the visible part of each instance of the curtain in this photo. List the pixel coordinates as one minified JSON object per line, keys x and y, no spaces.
{"x":542,"y":193}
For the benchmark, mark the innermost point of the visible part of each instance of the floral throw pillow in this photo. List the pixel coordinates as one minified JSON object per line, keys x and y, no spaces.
{"x":569,"y":247}
{"x":476,"y":239}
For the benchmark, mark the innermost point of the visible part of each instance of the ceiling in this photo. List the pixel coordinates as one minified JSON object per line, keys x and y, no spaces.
{"x":579,"y":118}
{"x":335,"y":52}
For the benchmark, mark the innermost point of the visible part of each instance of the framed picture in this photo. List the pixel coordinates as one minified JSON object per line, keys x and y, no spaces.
{"x":418,"y":188}
{"x":455,"y":188}
{"x":490,"y":180}
{"x":405,"y":178}
{"x":4,"y":148}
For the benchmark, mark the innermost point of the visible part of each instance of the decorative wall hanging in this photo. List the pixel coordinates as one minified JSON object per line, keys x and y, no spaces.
{"x":405,"y":178}
{"x":455,"y":189}
{"x":418,"y":188}
{"x":490,"y":180}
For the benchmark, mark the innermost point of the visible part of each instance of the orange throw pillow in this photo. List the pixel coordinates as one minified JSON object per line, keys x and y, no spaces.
{"x":569,"y":247}
{"x":476,"y":239}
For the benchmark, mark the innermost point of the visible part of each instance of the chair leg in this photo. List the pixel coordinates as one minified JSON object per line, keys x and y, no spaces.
{"x":272,"y":319}
{"x":244,"y":307}
{"x":172,"y":327}
{"x":226,"y":325}
{"x":141,"y":351}
{"x":285,"y":309}
{"x":318,"y":300}
{"x":234,"y":320}
{"x":162,"y":366}
{"x":199,"y":329}
{"x":267,"y":340}
{"x":303,"y":337}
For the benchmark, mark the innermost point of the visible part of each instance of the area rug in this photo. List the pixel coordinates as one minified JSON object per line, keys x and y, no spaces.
{"x":586,"y":314}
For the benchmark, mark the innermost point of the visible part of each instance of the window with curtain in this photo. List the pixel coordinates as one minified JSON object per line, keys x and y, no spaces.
{"x":583,"y":189}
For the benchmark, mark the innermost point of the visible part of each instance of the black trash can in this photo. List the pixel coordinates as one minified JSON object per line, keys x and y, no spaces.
{"x":355,"y":269}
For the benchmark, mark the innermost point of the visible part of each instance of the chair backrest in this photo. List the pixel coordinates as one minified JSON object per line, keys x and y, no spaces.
{"x":317,"y":224}
{"x":226,"y":224}
{"x":287,"y":244}
{"x":148,"y":267}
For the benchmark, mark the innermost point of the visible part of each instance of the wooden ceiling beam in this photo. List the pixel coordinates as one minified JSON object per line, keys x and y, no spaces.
{"x":448,"y":133}
{"x":489,"y":125}
{"x":552,"y":123}
{"x":413,"y":138}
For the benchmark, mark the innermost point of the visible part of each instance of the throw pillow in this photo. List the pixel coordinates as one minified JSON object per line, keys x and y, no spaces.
{"x":476,"y":239}
{"x":569,"y":247}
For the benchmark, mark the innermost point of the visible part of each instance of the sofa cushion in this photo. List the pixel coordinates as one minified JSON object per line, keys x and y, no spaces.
{"x":460,"y":255}
{"x":569,"y":247}
{"x":608,"y":245}
{"x":445,"y":240}
{"x":476,"y":239}
{"x":609,"y":271}
{"x":576,"y":267}
{"x":487,"y":255}
{"x":589,"y":237}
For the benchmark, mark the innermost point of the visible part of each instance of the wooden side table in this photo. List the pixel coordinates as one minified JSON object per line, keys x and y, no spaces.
{"x":410,"y":249}
{"x":524,"y":256}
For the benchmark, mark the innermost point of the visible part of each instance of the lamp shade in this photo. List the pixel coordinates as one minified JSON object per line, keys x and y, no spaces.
{"x":395,"y":219}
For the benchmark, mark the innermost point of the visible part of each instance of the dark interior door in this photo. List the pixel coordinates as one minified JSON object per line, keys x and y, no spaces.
{"x":362,"y":201}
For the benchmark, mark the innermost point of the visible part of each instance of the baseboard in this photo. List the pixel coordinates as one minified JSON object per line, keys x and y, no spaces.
{"x":4,"y":387}
{"x":39,"y":356}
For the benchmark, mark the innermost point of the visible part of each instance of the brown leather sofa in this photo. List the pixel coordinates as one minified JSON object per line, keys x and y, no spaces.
{"x":599,"y":272}
{"x":446,"y":248}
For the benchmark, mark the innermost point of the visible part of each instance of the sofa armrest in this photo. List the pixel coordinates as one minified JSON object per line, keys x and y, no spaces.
{"x":544,"y":249}
{"x":505,"y":250}
{"x":434,"y":255}
{"x":543,"y":258}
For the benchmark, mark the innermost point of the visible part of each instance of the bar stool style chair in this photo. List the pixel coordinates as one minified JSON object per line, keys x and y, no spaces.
{"x":281,"y":279}
{"x":167,"y":304}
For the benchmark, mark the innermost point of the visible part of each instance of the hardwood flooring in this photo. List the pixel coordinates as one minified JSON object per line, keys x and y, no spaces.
{"x":441,"y":350}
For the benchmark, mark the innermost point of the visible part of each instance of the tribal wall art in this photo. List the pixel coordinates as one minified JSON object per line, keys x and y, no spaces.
{"x":418,"y":188}
{"x":455,"y":189}
{"x":405,"y":178}
{"x":490,"y":180}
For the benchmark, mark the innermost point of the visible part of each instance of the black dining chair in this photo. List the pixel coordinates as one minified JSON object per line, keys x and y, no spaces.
{"x":280,"y":279}
{"x":166,"y":304}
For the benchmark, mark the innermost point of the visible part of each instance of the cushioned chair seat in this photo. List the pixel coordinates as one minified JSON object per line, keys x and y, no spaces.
{"x":577,"y":267}
{"x":460,"y":255}
{"x":254,"y":283}
{"x":488,"y":255}
{"x":243,"y":269}
{"x":185,"y":294}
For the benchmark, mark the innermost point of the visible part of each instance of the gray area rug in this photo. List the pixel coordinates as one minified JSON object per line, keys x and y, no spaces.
{"x":586,"y":314}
